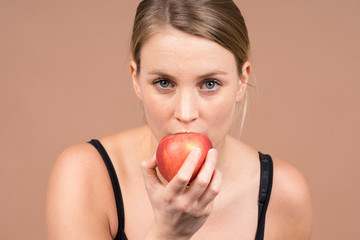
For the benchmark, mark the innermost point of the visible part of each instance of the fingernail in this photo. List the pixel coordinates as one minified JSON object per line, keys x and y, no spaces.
{"x":197,"y":152}
{"x":213,"y":152}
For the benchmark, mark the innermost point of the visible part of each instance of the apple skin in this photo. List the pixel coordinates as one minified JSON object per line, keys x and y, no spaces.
{"x":173,"y":150}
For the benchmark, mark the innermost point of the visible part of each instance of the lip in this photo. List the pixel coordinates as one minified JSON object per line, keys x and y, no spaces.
{"x":182,"y":132}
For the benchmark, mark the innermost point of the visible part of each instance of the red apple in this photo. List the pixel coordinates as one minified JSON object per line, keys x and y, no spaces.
{"x":173,"y":150}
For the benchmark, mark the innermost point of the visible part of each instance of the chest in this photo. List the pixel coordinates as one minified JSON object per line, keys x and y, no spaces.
{"x":234,"y":216}
{"x":235,"y":222}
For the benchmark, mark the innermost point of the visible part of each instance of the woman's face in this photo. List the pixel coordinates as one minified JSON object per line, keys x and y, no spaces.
{"x":188,"y":84}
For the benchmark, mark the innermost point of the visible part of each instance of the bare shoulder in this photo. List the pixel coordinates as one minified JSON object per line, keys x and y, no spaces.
{"x":73,"y":208}
{"x":290,"y":208}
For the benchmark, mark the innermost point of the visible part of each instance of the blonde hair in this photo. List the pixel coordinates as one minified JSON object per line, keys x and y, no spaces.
{"x":217,"y":20}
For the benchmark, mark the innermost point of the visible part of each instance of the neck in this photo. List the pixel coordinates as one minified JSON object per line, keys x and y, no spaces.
{"x":223,"y":157}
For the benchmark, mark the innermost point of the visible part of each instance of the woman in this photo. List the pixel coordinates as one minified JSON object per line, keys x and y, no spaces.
{"x":190,"y":70}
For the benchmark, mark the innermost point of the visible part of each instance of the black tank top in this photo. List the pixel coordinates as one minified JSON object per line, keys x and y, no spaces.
{"x":266,"y":178}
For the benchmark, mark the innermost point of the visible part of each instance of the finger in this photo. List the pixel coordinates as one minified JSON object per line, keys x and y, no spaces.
{"x":212,"y":190}
{"x":202,"y":180}
{"x":148,"y":169}
{"x":180,"y":181}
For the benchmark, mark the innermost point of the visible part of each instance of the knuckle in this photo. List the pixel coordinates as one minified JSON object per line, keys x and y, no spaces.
{"x":208,"y":211}
{"x":184,"y":207}
{"x":182,"y":178}
{"x":214,"y":190}
{"x":202,"y":182}
{"x":198,"y":215}
{"x":168,"y":198}
{"x":203,"y":213}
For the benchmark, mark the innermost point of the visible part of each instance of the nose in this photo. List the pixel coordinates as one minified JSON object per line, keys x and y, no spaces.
{"x":186,"y":109}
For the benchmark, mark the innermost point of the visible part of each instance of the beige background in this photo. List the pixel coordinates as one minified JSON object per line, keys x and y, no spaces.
{"x":64,"y":79}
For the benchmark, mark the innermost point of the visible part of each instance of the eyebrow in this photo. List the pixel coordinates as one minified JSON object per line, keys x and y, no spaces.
{"x":206,"y":75}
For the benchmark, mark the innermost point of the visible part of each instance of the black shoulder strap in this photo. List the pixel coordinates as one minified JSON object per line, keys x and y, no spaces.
{"x":266,"y":179}
{"x":115,"y":183}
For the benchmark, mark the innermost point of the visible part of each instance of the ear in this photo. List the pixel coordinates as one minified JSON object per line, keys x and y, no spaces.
{"x":135,"y":79}
{"x":244,"y":78}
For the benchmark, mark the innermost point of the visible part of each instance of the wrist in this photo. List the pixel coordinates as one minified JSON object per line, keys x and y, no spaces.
{"x":156,"y":233}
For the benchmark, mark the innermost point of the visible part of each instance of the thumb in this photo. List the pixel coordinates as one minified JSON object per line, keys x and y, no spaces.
{"x":148,"y":169}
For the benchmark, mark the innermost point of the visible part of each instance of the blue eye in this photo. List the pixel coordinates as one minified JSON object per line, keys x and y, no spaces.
{"x":210,"y":85}
{"x":164,"y":83}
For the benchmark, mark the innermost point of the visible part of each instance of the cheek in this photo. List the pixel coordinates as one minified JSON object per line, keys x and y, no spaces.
{"x":219,"y":118}
{"x":221,"y":109}
{"x":156,"y":110}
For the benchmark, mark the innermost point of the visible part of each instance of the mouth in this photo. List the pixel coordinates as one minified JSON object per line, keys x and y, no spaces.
{"x":183,"y":132}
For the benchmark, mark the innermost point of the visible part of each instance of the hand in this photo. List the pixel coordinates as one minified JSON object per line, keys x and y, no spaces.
{"x":181,"y":208}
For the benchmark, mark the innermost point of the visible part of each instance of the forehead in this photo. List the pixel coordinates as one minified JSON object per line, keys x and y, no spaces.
{"x":171,"y":49}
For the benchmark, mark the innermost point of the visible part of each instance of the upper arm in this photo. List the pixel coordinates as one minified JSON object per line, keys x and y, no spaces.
{"x":290,"y":203}
{"x":72,"y":210}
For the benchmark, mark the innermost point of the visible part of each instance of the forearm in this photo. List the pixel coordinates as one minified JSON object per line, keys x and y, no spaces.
{"x":156,"y":233}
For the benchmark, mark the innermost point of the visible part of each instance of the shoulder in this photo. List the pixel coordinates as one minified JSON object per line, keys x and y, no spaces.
{"x":290,"y":203}
{"x":73,"y":207}
{"x":76,"y":155}
{"x":76,"y":163}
